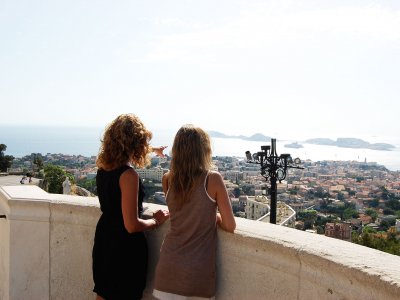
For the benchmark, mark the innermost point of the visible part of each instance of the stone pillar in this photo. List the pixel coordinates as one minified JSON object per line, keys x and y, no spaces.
{"x":24,"y":250}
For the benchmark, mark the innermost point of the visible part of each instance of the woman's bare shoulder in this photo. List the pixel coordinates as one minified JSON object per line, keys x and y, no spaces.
{"x":214,"y":176}
{"x":129,"y":173}
{"x":166,"y":175}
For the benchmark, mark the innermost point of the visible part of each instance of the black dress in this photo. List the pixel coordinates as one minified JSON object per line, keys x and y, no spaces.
{"x":119,"y":257}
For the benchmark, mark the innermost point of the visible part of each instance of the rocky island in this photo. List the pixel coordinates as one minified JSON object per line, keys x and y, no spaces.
{"x":295,"y":145}
{"x":258,"y":137}
{"x":340,"y":142}
{"x":350,"y":143}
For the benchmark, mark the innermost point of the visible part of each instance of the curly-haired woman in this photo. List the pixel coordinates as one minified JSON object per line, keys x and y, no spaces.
{"x":120,"y":247}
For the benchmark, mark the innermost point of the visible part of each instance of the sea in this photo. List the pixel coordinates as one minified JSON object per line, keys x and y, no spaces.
{"x":24,"y":140}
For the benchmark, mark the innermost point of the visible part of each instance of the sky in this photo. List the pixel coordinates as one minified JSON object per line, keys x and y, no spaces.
{"x":296,"y":68}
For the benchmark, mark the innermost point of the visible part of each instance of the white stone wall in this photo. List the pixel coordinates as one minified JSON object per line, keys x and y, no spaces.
{"x":49,"y":244}
{"x":4,"y":254}
{"x":46,"y":244}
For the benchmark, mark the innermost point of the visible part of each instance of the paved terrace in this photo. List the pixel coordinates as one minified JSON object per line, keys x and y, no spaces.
{"x":15,"y":180}
{"x":46,"y":242}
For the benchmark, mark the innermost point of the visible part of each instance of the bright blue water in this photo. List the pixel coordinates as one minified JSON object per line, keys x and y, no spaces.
{"x":25,"y":140}
{"x":21,"y":141}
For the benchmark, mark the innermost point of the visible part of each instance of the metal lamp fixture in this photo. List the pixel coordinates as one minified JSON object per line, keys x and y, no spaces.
{"x":273,"y":167}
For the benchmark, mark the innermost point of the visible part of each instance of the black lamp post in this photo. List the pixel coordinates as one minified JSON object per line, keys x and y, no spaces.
{"x":273,"y":167}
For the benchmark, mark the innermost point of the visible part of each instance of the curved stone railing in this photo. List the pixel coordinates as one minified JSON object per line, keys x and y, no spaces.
{"x":46,"y":242}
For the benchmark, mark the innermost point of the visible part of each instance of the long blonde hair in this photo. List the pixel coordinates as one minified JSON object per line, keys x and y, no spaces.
{"x":125,"y":140}
{"x":191,"y":157}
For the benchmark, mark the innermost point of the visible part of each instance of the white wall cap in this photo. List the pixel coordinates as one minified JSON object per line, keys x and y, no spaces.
{"x":34,"y":193}
{"x":308,"y":246}
{"x":368,"y":260}
{"x":32,"y":203}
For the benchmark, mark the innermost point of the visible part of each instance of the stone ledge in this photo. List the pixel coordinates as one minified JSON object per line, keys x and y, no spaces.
{"x":259,"y":261}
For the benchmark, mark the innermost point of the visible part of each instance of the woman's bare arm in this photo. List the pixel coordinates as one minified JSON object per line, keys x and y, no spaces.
{"x":129,"y":184}
{"x":165,"y":184}
{"x":216,"y":189}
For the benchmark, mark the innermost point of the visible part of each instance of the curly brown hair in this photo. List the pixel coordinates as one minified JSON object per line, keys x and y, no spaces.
{"x":125,"y":140}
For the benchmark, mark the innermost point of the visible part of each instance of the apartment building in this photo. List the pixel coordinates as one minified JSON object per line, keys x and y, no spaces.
{"x":340,"y":231}
{"x":256,"y":207}
{"x":155,"y":174}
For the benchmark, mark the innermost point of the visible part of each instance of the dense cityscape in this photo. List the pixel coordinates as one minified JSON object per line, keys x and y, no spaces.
{"x":354,"y":201}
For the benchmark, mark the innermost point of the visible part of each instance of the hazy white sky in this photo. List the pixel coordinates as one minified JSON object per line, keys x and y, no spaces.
{"x":304,"y":68}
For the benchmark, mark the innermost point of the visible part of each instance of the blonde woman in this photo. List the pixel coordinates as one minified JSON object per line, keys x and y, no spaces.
{"x":186,"y":267}
{"x":120,"y":248}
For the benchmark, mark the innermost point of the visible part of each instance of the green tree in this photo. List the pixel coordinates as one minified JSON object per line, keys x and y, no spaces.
{"x":393,"y":204}
{"x":355,"y":237}
{"x":340,"y":209}
{"x":359,"y":178}
{"x":88,"y":184}
{"x":320,"y":230}
{"x":386,"y":224}
{"x":151,"y":188}
{"x":340,"y":196}
{"x":366,"y":240}
{"x":369,"y":229}
{"x":352,"y":193}
{"x":248,"y":189}
{"x":308,"y":217}
{"x":372,"y":213}
{"x":349,"y":213}
{"x":54,"y":176}
{"x":374,"y":203}
{"x":385,"y":193}
{"x":38,"y":161}
{"x":237,"y":191}
{"x":321,"y":220}
{"x":321,"y":193}
{"x":369,"y":238}
{"x":388,"y":211}
{"x":5,"y":160}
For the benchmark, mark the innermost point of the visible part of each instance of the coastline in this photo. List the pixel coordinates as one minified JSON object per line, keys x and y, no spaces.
{"x":21,"y":141}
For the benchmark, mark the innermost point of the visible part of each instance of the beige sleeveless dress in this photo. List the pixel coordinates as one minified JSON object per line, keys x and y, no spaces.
{"x":186,"y":266}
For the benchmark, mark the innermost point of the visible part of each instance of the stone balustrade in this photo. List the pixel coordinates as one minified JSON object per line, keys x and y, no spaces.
{"x":46,"y":242}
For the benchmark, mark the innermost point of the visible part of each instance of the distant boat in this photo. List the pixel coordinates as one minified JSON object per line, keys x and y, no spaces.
{"x":294,"y":145}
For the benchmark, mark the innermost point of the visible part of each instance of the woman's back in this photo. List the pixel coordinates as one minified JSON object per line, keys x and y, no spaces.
{"x":189,"y":248}
{"x":109,"y":193}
